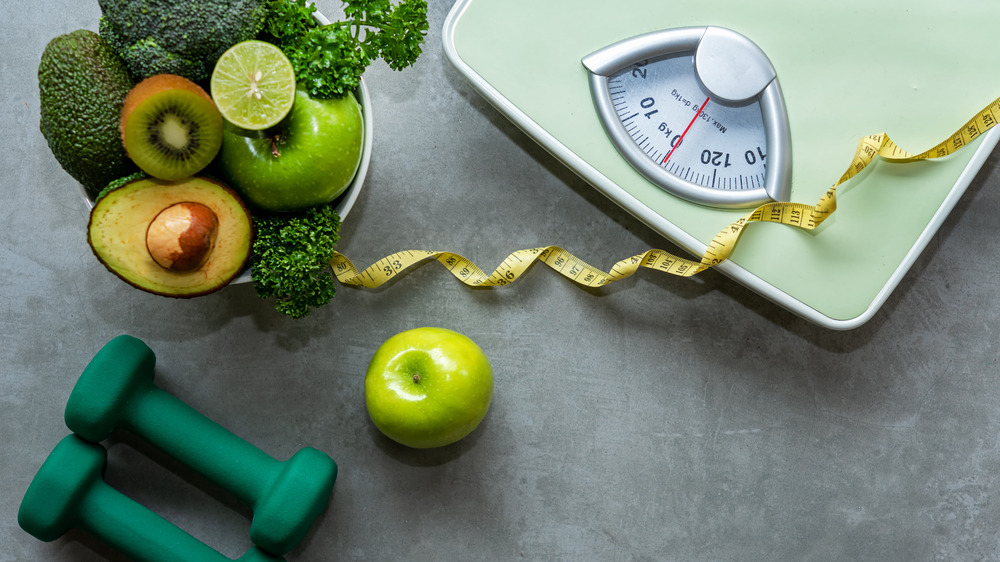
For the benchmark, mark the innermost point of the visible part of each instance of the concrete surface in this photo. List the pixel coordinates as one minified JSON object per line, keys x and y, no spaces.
{"x":655,"y":419}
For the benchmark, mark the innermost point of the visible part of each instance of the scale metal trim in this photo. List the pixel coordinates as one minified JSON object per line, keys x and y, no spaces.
{"x":733,"y":69}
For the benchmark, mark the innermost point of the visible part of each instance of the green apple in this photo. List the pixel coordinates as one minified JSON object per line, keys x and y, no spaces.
{"x":307,"y":159}
{"x":428,"y":387}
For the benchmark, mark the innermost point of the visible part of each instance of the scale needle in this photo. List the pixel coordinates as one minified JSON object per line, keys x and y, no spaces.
{"x":681,"y":139}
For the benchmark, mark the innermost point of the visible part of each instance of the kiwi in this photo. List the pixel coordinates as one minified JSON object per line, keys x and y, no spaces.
{"x":170,"y":127}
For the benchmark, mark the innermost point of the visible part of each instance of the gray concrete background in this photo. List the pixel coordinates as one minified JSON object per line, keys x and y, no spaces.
{"x":655,"y":419}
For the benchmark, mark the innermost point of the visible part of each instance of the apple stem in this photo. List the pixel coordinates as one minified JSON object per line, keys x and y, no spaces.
{"x":274,"y":145}
{"x":416,"y":378}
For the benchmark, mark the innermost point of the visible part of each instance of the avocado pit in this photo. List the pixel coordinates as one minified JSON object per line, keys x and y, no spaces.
{"x":181,"y":237}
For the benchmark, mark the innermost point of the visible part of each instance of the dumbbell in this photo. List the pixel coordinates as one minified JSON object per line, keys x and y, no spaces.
{"x":69,"y":491}
{"x":116,"y":391}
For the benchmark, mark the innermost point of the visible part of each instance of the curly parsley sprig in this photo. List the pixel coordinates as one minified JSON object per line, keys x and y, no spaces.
{"x":330,"y":59}
{"x":292,"y":251}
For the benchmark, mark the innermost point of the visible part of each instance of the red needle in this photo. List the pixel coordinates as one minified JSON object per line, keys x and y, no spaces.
{"x":669,"y":154}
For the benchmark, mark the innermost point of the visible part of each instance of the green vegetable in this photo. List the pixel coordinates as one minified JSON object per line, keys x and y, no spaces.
{"x":329,"y":60}
{"x":291,"y":258}
{"x":183,"y":37}
{"x":292,"y":251}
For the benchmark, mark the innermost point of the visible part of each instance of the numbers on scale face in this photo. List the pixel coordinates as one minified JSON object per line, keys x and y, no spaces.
{"x":674,"y":120}
{"x":669,"y":102}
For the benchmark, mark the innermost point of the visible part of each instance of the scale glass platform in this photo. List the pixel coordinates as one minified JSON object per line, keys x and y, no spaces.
{"x":916,"y":70}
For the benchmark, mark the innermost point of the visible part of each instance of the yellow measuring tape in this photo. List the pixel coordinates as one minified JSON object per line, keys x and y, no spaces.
{"x":793,"y":214}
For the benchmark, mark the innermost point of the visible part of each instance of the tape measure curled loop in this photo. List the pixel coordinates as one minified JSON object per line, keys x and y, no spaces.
{"x":798,"y":215}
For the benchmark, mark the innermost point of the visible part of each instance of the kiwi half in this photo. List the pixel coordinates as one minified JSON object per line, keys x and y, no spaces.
{"x":170,"y":127}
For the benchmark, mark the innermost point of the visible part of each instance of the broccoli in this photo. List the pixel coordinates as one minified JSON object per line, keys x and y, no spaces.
{"x":183,"y":37}
{"x":291,"y":258}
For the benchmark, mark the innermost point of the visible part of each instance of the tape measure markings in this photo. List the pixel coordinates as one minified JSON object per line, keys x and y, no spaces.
{"x":721,"y":247}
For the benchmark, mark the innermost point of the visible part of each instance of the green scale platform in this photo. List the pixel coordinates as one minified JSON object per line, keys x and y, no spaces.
{"x":916,"y":70}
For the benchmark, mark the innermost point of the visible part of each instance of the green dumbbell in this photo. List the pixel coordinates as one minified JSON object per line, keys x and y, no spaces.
{"x":116,"y":391}
{"x":68,"y":492}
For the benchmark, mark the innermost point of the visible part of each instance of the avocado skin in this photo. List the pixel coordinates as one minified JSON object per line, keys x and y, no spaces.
{"x":82,"y":85}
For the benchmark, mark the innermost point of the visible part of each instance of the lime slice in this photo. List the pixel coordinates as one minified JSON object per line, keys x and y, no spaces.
{"x":253,"y":85}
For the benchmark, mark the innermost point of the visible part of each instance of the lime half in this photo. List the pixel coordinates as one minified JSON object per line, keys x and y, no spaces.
{"x":253,"y":85}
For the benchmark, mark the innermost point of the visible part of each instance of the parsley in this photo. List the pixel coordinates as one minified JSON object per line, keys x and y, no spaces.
{"x":292,"y":251}
{"x":330,"y":59}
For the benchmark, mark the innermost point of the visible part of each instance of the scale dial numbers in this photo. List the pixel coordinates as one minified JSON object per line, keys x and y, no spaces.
{"x":672,"y":118}
{"x":699,"y":112}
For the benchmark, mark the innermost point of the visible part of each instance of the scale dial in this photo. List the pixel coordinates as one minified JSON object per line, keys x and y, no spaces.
{"x":699,"y":112}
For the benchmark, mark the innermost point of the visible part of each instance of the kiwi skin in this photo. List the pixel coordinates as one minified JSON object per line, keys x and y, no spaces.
{"x":170,"y":127}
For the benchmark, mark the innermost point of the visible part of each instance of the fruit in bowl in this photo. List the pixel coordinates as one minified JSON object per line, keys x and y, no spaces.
{"x":345,"y":200}
{"x":308,"y":159}
{"x":177,"y":239}
{"x":80,"y":70}
{"x":170,"y":127}
{"x":286,"y":66}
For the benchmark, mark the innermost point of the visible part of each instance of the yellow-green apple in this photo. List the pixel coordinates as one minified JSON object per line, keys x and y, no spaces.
{"x":428,"y":387}
{"x":307,"y":159}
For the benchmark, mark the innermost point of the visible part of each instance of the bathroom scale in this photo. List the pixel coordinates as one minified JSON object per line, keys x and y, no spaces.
{"x":690,"y":115}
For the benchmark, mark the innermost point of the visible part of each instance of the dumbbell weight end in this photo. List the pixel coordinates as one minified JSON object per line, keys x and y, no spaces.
{"x":68,"y":491}
{"x":285,"y":497}
{"x":116,"y":391}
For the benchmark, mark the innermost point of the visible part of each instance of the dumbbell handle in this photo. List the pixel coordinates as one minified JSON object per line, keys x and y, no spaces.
{"x":213,"y":451}
{"x":69,"y":491}
{"x":136,"y":531}
{"x":116,"y":391}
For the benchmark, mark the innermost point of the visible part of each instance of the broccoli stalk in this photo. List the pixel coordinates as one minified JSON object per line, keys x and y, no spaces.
{"x":183,"y":37}
{"x":291,"y":258}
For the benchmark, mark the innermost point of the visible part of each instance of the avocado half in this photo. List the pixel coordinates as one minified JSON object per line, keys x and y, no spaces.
{"x":121,"y":236}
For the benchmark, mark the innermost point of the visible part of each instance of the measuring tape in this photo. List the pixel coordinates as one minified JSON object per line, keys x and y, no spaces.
{"x":721,"y":247}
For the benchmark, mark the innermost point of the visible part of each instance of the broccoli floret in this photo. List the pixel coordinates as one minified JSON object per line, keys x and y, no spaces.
{"x":291,"y":258}
{"x":183,"y":37}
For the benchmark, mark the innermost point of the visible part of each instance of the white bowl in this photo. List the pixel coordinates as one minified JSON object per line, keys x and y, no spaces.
{"x":345,"y":202}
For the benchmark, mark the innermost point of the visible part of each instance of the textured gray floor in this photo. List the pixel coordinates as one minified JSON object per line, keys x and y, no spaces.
{"x":655,"y":419}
